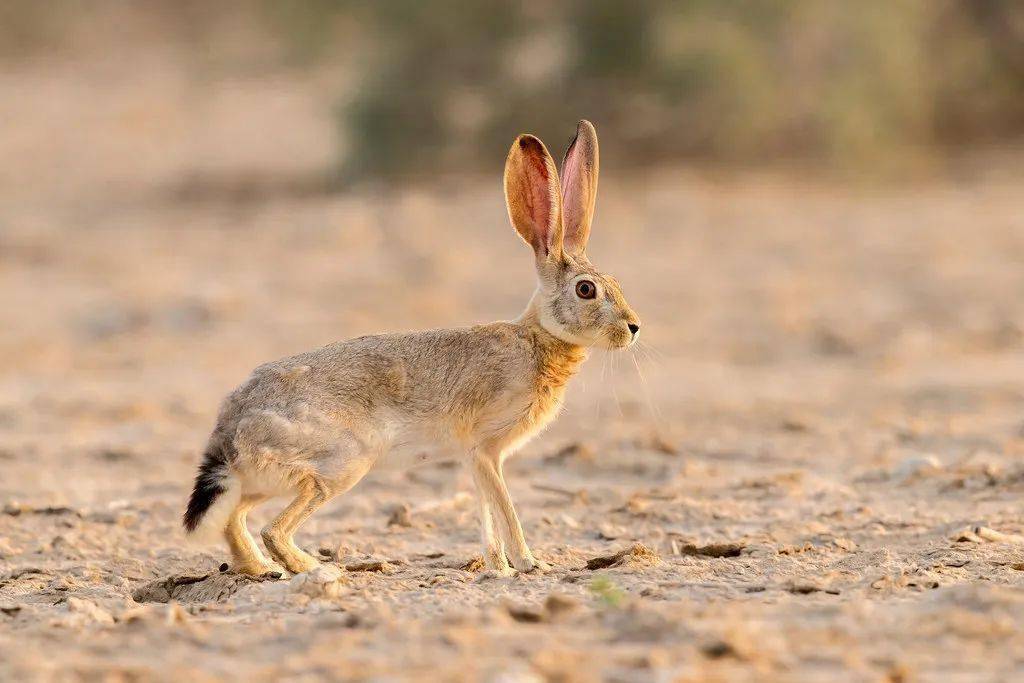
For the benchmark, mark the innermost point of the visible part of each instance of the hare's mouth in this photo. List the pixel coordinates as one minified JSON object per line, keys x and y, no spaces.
{"x":617,"y":339}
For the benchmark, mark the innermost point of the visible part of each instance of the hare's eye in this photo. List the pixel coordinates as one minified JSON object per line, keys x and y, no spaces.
{"x":585,"y":289}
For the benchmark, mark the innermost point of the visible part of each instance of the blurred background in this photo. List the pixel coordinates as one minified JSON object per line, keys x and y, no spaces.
{"x":308,"y":90}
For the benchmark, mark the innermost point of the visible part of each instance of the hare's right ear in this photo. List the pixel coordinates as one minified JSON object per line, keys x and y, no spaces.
{"x":579,"y":186}
{"x":533,"y":197}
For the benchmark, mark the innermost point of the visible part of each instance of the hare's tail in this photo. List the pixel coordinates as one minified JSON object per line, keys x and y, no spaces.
{"x":215,"y":495}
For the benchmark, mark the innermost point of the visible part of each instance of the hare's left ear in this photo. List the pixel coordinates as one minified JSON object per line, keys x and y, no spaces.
{"x":533,"y":199}
{"x":579,"y":187}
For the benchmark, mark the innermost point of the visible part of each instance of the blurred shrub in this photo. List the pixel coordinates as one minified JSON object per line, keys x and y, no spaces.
{"x":446,"y":84}
{"x":443,"y":85}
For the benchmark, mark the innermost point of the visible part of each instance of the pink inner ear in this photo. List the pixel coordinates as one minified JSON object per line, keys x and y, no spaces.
{"x":573,"y":209}
{"x":570,"y":171}
{"x":538,"y":198}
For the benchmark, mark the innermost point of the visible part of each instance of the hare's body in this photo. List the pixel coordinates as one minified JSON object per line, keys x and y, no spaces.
{"x":312,"y":425}
{"x":390,"y":401}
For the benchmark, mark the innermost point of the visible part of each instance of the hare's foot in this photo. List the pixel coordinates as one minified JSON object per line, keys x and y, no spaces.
{"x":495,"y":564}
{"x":489,"y":574}
{"x":287,"y":553}
{"x":528,"y":563}
{"x":300,"y":562}
{"x":258,"y":569}
{"x":495,"y":560}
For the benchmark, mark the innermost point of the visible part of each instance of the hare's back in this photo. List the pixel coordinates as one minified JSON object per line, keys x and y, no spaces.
{"x":438,"y":362}
{"x":390,"y":369}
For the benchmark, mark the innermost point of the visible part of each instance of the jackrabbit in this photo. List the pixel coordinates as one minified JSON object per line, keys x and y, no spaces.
{"x":311,"y":426}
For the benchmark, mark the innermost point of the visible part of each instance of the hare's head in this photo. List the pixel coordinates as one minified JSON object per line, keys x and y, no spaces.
{"x":576,"y":302}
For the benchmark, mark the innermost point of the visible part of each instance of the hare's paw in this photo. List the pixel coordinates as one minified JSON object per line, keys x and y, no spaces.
{"x":299,"y":562}
{"x":530,"y":564}
{"x":266,"y":570}
{"x":494,"y":559}
{"x":488,"y":574}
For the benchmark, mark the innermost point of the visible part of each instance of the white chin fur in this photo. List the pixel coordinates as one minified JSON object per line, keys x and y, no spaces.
{"x":548,"y":322}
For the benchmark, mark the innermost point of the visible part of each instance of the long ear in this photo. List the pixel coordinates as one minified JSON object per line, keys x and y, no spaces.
{"x":531,"y":193}
{"x":579,"y":187}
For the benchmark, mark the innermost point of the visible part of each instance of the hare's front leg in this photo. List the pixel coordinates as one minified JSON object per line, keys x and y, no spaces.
{"x":494,"y":549}
{"x":491,"y":487}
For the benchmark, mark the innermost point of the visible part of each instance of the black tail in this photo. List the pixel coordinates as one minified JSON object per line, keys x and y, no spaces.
{"x":209,"y":485}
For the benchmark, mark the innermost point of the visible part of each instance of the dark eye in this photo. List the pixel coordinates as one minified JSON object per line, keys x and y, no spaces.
{"x":585,"y":289}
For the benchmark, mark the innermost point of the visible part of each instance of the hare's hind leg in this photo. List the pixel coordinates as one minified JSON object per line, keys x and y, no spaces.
{"x":246,"y":556}
{"x":277,"y":535}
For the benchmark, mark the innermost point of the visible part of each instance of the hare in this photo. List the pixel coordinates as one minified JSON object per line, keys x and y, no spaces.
{"x":311,"y":426}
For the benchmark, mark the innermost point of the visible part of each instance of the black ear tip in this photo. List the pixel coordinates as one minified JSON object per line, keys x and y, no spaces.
{"x":527,"y":142}
{"x":572,"y":143}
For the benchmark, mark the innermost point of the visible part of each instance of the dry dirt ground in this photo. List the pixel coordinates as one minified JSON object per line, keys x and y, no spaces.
{"x":817,"y":473}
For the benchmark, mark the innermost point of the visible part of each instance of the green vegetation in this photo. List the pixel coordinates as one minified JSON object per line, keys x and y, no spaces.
{"x":606,"y":591}
{"x":446,"y":83}
{"x":442,"y":86}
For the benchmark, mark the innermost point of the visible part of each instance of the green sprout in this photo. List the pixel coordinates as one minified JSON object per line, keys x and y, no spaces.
{"x":606,"y":591}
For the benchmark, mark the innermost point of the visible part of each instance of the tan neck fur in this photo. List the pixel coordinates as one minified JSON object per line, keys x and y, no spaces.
{"x":559,"y":359}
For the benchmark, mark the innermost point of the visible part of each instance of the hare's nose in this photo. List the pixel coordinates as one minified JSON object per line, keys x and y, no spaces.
{"x":633,"y":328}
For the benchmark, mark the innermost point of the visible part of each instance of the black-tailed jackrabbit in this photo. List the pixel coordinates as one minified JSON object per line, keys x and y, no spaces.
{"x":312,"y":425}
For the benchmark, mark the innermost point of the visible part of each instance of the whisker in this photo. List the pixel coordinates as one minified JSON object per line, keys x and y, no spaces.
{"x":604,"y":366}
{"x":615,"y":391}
{"x":652,"y":352}
{"x":651,"y":405}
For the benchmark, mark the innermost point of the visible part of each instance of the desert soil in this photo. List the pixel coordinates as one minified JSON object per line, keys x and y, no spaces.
{"x":810,"y":470}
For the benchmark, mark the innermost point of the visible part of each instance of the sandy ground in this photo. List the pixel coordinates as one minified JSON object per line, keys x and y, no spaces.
{"x":811,"y":470}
